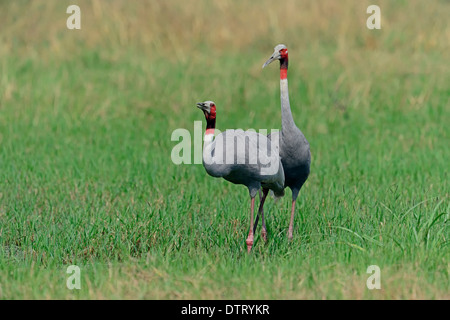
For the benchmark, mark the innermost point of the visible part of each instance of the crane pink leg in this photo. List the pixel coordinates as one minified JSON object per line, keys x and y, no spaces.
{"x":263,"y":230}
{"x":250,"y":234}
{"x":291,"y":224}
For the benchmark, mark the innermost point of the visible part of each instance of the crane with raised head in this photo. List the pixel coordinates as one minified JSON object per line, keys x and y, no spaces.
{"x":241,"y":157}
{"x":294,"y":148}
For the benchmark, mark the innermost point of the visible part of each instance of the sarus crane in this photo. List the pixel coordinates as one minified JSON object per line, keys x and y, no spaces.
{"x":242,"y":157}
{"x":294,"y":148}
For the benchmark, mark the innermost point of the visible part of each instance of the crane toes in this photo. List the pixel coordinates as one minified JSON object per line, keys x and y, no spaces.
{"x":290,"y":234}
{"x":264,"y":234}
{"x":249,"y":243}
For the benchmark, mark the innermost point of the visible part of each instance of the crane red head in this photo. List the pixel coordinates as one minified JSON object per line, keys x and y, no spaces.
{"x":280,"y":53}
{"x":209,"y":109}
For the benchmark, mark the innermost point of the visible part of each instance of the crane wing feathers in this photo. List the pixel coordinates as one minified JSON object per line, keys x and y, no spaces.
{"x":244,"y":157}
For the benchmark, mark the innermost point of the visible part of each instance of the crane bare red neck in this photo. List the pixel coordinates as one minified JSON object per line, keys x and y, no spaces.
{"x":210,"y":120}
{"x":284,"y":61}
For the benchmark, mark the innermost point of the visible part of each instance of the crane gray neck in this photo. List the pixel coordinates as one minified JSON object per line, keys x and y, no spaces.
{"x":287,"y":121}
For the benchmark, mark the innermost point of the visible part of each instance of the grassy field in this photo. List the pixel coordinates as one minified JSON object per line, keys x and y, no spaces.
{"x":86,"y":177}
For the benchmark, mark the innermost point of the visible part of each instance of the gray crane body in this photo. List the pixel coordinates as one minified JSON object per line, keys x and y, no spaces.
{"x":294,"y":148}
{"x":241,"y":157}
{"x":247,"y":158}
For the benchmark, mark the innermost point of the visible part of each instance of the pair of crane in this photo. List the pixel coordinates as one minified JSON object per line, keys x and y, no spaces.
{"x":283,"y":158}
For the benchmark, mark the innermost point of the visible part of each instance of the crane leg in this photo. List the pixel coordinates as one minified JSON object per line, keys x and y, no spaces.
{"x":249,"y":241}
{"x":261,"y":211}
{"x":291,"y":223}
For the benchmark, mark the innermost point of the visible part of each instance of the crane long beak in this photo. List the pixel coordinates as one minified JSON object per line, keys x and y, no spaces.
{"x":275,"y":56}
{"x":203,"y":106}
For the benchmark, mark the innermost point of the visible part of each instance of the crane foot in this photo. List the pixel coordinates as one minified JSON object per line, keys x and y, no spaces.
{"x":249,"y":243}
{"x":264,"y":234}
{"x":290,"y":234}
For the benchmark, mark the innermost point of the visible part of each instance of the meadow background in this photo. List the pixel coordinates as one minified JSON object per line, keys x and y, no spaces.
{"x":85,"y":140}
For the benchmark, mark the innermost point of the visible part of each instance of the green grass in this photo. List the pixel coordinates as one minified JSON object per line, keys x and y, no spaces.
{"x":86,"y":176}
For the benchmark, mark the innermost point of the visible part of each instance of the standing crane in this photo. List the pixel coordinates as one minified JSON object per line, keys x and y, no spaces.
{"x":241,"y":157}
{"x":294,"y":148}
